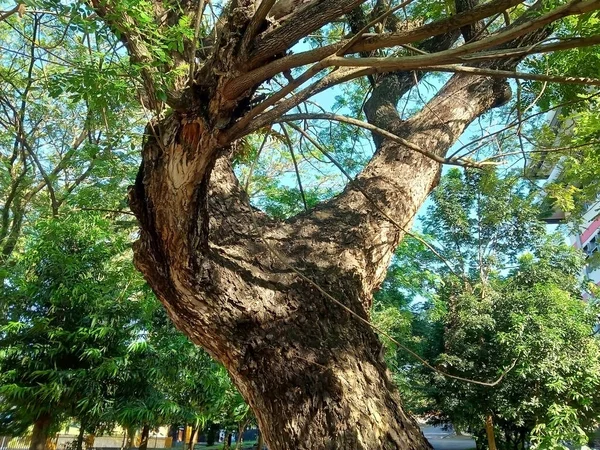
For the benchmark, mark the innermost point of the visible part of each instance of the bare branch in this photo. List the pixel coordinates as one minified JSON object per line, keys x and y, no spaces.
{"x":464,"y":54}
{"x":19,"y":8}
{"x":257,"y":20}
{"x":518,"y":75}
{"x":386,"y":134}
{"x":199,"y":14}
{"x":291,"y":148}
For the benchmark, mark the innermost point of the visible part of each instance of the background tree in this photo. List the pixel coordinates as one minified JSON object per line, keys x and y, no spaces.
{"x":501,"y":311}
{"x":70,"y":319}
{"x":62,"y":142}
{"x":284,"y":305}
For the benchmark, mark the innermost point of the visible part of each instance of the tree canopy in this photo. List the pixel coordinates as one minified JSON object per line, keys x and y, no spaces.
{"x":286,"y":147}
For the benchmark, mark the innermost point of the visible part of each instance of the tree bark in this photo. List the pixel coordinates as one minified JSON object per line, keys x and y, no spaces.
{"x":144,"y":437}
{"x":41,"y":431}
{"x":313,"y":373}
{"x":80,"y":436}
{"x":489,"y":431}
{"x":191,"y":441}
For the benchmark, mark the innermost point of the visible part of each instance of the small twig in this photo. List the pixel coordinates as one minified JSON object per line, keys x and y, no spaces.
{"x":253,"y":165}
{"x":289,"y":143}
{"x":116,"y":211}
{"x":386,"y":134}
{"x":199,"y":14}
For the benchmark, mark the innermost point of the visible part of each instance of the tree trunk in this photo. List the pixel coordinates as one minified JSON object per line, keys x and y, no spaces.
{"x":240,"y":435}
{"x":312,"y":372}
{"x":192,"y":437}
{"x":489,"y":431}
{"x":131,"y":432}
{"x":227,"y":440}
{"x":211,"y":435}
{"x":144,"y":437}
{"x":41,"y":430}
{"x":80,"y":436}
{"x":257,"y":292}
{"x":259,"y":442}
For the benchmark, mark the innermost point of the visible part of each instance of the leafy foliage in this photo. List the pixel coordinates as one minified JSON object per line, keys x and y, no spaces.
{"x":74,"y":306}
{"x":511,"y":307}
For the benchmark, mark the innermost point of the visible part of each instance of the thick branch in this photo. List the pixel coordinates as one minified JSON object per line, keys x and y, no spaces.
{"x":300,"y":24}
{"x":238,"y":85}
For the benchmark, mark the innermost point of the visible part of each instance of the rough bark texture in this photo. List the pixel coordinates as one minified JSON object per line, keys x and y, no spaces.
{"x":313,"y":373}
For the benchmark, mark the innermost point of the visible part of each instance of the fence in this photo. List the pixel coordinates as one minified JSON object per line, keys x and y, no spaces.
{"x":16,"y":443}
{"x":63,"y":441}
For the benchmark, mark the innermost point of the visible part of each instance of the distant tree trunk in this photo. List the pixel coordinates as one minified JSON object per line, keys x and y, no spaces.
{"x":489,"y":431}
{"x":41,"y":431}
{"x":191,"y":441}
{"x":227,"y":440}
{"x":131,"y":432}
{"x":211,"y":434}
{"x":144,"y":437}
{"x":173,"y":432}
{"x":80,"y":436}
{"x":259,"y":442}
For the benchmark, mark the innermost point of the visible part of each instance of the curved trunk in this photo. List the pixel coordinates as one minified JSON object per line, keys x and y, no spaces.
{"x":41,"y":430}
{"x":313,"y":373}
{"x":250,"y":289}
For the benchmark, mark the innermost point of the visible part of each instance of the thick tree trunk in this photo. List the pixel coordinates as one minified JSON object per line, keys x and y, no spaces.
{"x":256,"y":292}
{"x":312,"y":372}
{"x":41,"y":430}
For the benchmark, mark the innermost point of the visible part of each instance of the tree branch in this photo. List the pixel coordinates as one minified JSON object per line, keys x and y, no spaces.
{"x":386,"y":134}
{"x":518,"y":75}
{"x":300,"y":24}
{"x":238,"y":85}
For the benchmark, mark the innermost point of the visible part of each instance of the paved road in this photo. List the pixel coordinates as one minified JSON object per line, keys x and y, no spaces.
{"x":446,"y":440}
